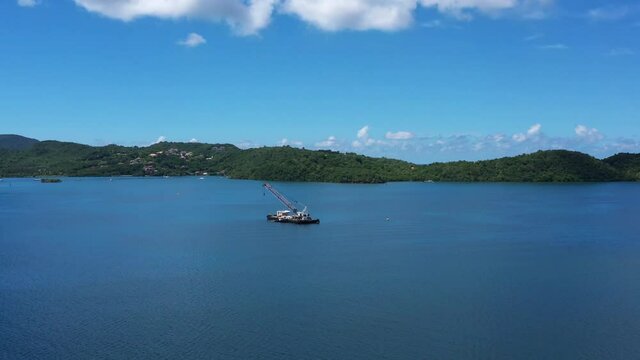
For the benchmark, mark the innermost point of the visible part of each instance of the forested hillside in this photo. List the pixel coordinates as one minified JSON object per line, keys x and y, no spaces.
{"x":34,"y":158}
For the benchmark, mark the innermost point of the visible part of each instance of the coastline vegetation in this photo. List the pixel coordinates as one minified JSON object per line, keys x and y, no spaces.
{"x":54,"y":158}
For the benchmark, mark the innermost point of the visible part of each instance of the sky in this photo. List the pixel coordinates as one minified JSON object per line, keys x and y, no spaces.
{"x":419,"y":80}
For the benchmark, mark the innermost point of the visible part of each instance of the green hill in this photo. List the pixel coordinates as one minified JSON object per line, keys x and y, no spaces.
{"x":628,"y":164}
{"x":292,"y":164}
{"x":542,"y":166}
{"x":16,"y":142}
{"x":71,"y":159}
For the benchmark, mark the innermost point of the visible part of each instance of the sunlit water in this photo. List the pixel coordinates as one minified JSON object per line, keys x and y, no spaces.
{"x":183,"y":268}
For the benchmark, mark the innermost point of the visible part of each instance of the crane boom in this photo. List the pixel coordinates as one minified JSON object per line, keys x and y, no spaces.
{"x":281,"y":198}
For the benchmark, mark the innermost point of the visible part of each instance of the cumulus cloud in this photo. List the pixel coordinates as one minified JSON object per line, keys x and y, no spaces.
{"x":363,"y":133}
{"x":159,"y":140}
{"x":330,"y":142}
{"x":534,"y":130}
{"x":430,"y":148}
{"x":533,"y":133}
{"x":194,"y":141}
{"x":333,"y":15}
{"x":363,"y":138}
{"x":193,"y":40}
{"x":459,"y":8}
{"x":400,"y":135}
{"x":250,"y":16}
{"x":244,"y":17}
{"x":27,"y":3}
{"x":589,"y":134}
{"x":405,"y":144}
{"x":287,"y":142}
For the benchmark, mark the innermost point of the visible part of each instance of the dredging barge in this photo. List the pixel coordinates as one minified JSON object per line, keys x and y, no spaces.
{"x":291,"y":216}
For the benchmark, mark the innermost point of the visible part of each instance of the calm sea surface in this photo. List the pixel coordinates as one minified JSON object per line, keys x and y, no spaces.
{"x":183,"y":268}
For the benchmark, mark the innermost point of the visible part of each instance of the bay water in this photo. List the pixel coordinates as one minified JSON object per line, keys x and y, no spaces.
{"x":184,"y":268}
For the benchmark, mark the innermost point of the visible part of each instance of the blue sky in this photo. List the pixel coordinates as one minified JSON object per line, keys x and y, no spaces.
{"x":421,"y":80}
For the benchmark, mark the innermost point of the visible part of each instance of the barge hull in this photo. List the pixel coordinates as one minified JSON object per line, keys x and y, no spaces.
{"x":293,"y":221}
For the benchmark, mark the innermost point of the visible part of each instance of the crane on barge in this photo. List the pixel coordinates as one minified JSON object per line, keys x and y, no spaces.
{"x":293,"y":215}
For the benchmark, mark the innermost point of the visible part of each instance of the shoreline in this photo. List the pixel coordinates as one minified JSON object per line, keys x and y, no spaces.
{"x":135,"y":177}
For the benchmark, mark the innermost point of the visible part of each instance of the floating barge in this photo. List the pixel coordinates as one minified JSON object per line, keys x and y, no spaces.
{"x":285,"y":216}
{"x":291,"y":216}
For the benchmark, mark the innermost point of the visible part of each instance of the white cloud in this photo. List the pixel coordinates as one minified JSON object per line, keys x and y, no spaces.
{"x":608,"y":13}
{"x":558,"y":46}
{"x":365,"y":142}
{"x":474,"y":147}
{"x":588,"y":134}
{"x":330,"y":142}
{"x":27,"y":3}
{"x":581,"y":130}
{"x":519,"y":137}
{"x":194,"y":141}
{"x":400,"y":135}
{"x":533,"y":133}
{"x":159,"y":140}
{"x":533,"y":37}
{"x":287,"y":142}
{"x":364,"y":132}
{"x":534,"y":130}
{"x":459,"y":8}
{"x":246,"y":144}
{"x":245,"y":18}
{"x":621,"y":52}
{"x":364,"y":139}
{"x":193,"y":40}
{"x":333,"y":15}
{"x":250,"y":16}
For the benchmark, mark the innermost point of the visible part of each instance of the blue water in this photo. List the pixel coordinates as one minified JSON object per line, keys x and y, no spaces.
{"x":183,"y":268}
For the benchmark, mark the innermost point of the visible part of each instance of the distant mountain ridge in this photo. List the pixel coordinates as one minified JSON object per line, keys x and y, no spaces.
{"x":24,"y":157}
{"x":16,"y":142}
